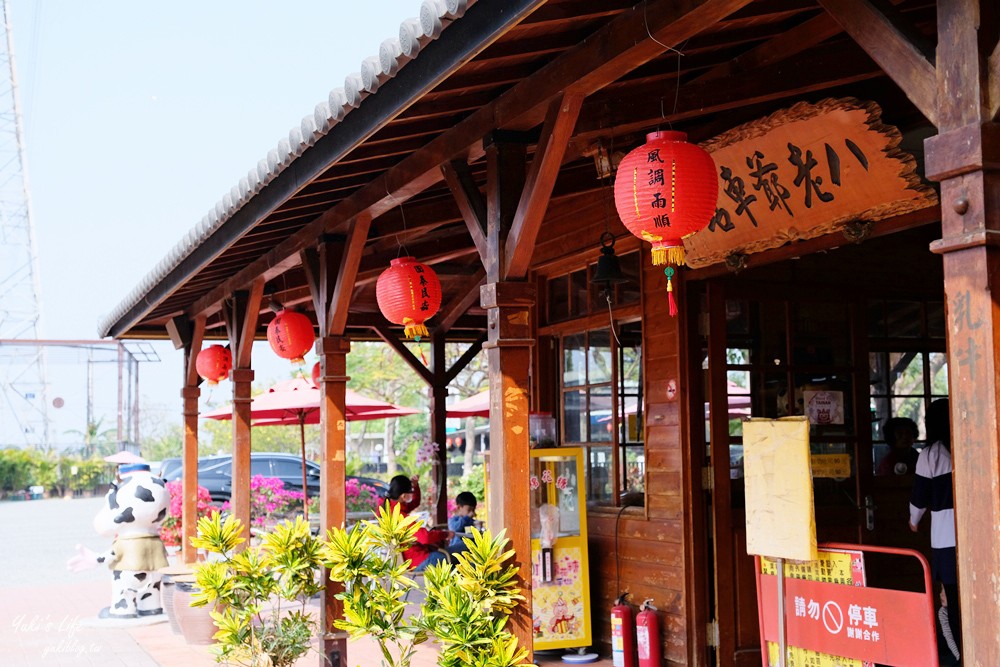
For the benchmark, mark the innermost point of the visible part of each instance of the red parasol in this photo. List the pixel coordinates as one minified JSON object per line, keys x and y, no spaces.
{"x":477,"y":405}
{"x":296,"y":401}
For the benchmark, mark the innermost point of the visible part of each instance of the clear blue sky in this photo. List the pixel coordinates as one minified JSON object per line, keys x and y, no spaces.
{"x":140,"y":116}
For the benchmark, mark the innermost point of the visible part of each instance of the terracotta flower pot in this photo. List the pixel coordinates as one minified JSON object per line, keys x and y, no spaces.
{"x":195,"y":622}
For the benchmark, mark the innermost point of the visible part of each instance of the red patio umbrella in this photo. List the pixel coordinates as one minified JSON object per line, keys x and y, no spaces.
{"x":477,"y":405}
{"x":296,"y":401}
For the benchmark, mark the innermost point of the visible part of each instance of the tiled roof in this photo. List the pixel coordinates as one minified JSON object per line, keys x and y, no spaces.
{"x":393,"y":54}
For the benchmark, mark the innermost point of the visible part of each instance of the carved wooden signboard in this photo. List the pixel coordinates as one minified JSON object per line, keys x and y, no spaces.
{"x":804,"y":172}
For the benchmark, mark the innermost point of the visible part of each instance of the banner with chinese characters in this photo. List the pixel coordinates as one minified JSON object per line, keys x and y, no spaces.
{"x":804,"y":172}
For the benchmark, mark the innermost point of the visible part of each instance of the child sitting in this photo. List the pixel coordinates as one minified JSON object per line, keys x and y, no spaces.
{"x":425,"y":551}
{"x":465,"y":515}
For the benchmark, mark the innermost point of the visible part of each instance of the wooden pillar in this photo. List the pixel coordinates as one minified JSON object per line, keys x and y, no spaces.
{"x":332,"y":351}
{"x":439,"y":416}
{"x":189,"y":509}
{"x":508,"y":352}
{"x":242,"y":378}
{"x":965,"y":158}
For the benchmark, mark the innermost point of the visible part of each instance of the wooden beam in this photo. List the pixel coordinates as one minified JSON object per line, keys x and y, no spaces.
{"x":558,"y":128}
{"x":346,"y":276}
{"x":466,"y":295}
{"x":634,"y":38}
{"x":994,"y":83}
{"x":310,"y":258}
{"x":411,"y":360}
{"x":470,"y":202}
{"x":241,"y":322}
{"x":792,"y":42}
{"x":890,"y":45}
{"x":470,"y":353}
{"x":191,"y":349}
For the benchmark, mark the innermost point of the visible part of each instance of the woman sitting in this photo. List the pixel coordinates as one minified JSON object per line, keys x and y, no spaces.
{"x":429,"y":545}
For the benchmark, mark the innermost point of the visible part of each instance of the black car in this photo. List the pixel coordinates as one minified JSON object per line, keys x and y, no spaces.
{"x":215,"y":473}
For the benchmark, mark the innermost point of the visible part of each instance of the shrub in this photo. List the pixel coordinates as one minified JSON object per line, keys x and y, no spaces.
{"x":172,"y":530}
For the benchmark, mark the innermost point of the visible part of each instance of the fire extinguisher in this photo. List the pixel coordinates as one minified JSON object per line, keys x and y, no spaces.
{"x":647,"y":632}
{"x":622,"y":640}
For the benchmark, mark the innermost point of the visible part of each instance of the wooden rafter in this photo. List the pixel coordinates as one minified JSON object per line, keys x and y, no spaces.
{"x":466,"y":295}
{"x":558,"y":127}
{"x":404,"y":352}
{"x":241,"y":321}
{"x":192,"y":346}
{"x":470,"y":202}
{"x":993,"y":62}
{"x":894,"y":47}
{"x":620,"y":46}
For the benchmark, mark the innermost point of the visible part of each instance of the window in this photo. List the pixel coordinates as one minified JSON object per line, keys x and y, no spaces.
{"x":573,"y":295}
{"x":601,"y":392}
{"x":907,"y":363}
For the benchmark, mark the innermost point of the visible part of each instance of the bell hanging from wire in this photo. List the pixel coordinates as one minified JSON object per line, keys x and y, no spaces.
{"x":608,"y":272}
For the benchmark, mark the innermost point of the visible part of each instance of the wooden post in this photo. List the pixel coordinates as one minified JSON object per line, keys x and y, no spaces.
{"x":965,"y":158}
{"x":508,"y":307}
{"x":439,"y":416}
{"x":241,"y":378}
{"x":332,"y":351}
{"x":189,"y":510}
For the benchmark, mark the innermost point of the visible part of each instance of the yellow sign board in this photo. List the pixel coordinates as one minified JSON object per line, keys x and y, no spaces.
{"x":837,"y":466}
{"x":781,"y":522}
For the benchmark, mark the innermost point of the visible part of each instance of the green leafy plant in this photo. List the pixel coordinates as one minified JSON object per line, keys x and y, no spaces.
{"x":249,"y":588}
{"x":466,"y":608}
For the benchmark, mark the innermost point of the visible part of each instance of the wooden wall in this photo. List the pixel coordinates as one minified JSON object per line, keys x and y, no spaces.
{"x":651,"y":554}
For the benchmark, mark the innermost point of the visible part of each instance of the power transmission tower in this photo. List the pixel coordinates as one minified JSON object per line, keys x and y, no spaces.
{"x":23,"y":402}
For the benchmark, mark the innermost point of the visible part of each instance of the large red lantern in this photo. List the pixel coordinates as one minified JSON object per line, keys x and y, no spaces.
{"x":666,"y":190}
{"x":213,"y":364}
{"x":316,"y":373}
{"x":290,"y":335}
{"x":409,"y":293}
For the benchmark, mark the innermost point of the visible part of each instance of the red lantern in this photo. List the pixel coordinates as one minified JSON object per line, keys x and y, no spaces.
{"x":316,"y":374}
{"x":290,"y":335}
{"x":409,"y":293}
{"x":213,"y":364}
{"x":666,"y":190}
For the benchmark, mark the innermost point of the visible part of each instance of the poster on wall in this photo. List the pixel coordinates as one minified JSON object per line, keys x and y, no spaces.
{"x":804,"y":172}
{"x":824,"y":407}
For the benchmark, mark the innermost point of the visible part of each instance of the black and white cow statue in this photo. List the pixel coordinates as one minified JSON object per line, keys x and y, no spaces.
{"x":132,"y":513}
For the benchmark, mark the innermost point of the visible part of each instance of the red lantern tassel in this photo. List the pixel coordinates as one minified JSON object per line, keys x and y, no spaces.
{"x":669,"y":272}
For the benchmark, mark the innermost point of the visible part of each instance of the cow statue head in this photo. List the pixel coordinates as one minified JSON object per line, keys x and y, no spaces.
{"x":135,"y":506}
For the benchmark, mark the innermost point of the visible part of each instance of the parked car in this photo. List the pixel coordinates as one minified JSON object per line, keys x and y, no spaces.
{"x":171,"y":468}
{"x":215,"y":473}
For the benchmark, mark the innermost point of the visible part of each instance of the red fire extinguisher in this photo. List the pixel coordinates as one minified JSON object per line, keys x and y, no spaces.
{"x":622,"y":640}
{"x":647,"y":632}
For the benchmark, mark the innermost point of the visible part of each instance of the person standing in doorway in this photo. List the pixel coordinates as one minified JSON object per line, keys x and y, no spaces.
{"x":932,"y":489}
{"x":900,"y":434}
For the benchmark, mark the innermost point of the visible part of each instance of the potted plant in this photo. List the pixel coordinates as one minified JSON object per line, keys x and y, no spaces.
{"x":259,"y":594}
{"x":465,"y":609}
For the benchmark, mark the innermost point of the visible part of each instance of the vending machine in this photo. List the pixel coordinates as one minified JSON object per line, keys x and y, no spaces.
{"x":560,"y":573}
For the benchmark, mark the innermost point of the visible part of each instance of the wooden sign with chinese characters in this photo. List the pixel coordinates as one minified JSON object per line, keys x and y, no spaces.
{"x":804,"y":172}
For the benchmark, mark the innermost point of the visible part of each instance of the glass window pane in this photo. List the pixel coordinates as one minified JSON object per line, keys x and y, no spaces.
{"x":557,"y":298}
{"x":574,"y":360}
{"x":601,"y":424}
{"x":772,"y":346}
{"x":628,"y":292}
{"x":599,"y":481}
{"x":599,"y":357}
{"x":904,"y":319}
{"x":912,"y":407}
{"x":819,"y":334}
{"x":635,"y":469}
{"x":579,"y":292}
{"x":939,"y":373}
{"x":906,"y":373}
{"x":575,"y":416}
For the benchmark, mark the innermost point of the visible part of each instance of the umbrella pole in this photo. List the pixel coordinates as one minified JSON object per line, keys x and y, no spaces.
{"x":305,"y":483}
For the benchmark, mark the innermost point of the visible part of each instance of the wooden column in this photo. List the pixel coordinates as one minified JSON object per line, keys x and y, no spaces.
{"x":439,"y":416}
{"x":242,"y":379}
{"x":332,"y":351}
{"x":189,"y":510}
{"x":508,"y":308}
{"x":965,"y":157}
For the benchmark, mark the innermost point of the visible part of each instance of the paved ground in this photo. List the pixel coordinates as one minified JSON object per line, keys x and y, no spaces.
{"x":48,"y":614}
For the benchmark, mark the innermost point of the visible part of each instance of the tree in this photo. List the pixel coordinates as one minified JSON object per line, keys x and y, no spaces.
{"x":96,"y":440}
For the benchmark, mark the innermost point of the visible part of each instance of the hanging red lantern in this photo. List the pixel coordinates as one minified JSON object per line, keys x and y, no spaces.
{"x":666,"y":190}
{"x":316,"y":374}
{"x":291,"y":335}
{"x":409,"y":293}
{"x":213,"y":364}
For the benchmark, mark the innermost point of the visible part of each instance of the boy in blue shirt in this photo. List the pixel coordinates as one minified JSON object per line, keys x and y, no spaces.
{"x":465,"y":515}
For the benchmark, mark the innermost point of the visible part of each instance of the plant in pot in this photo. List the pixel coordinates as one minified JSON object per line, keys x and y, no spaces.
{"x":465,"y":609}
{"x":260,"y":593}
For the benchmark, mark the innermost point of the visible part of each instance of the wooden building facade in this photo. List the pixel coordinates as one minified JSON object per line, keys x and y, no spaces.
{"x":485,"y":140}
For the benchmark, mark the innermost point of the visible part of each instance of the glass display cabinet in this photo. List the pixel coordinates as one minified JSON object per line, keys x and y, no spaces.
{"x":560,"y":572}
